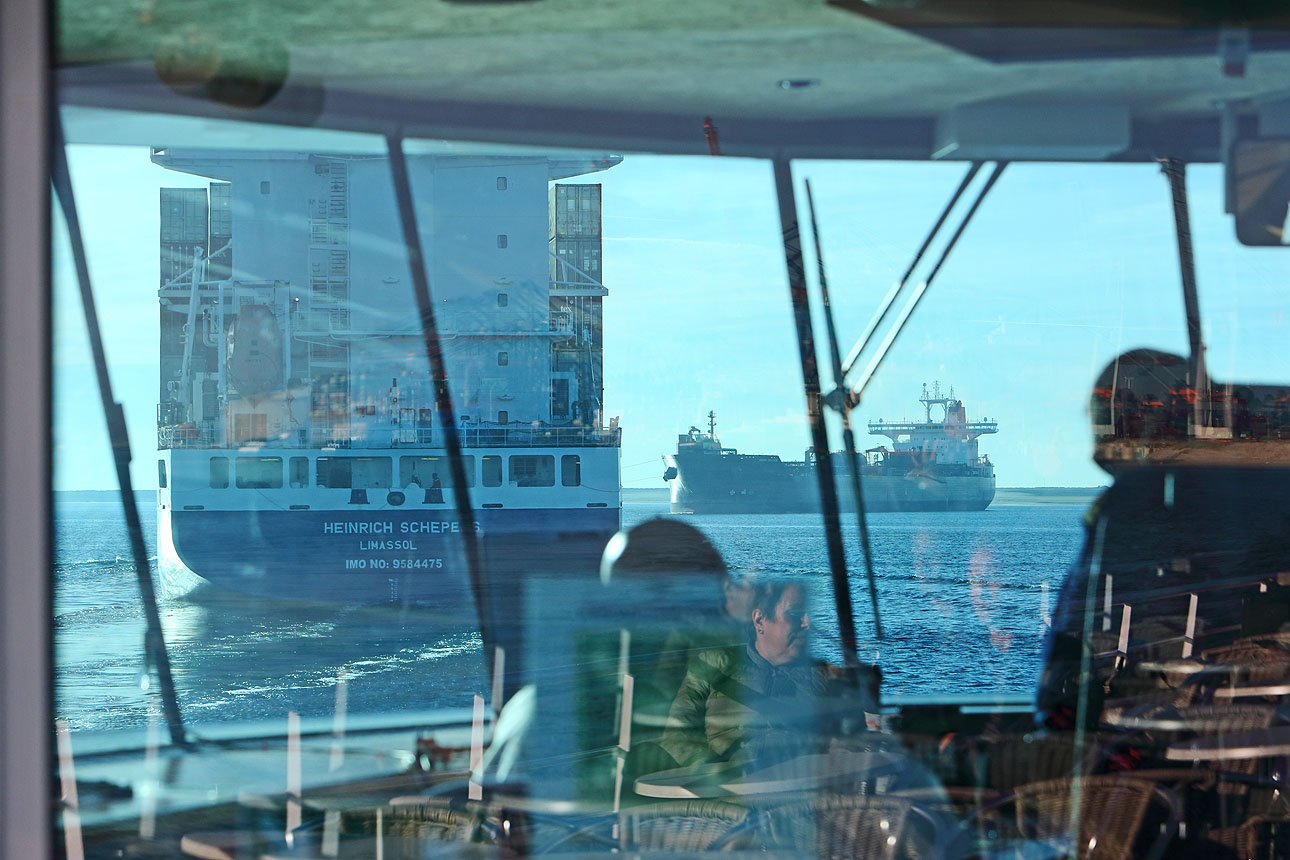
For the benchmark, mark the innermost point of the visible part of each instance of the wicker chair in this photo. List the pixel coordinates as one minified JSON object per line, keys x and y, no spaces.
{"x":1111,"y":811}
{"x":1015,"y":760}
{"x":842,"y":827}
{"x":1258,"y":660}
{"x":401,"y":829}
{"x":695,"y":825}
{"x":672,"y":826}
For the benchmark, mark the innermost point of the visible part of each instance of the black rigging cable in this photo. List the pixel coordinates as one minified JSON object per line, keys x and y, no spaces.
{"x":848,"y":437}
{"x":899,"y":326}
{"x":811,"y":384}
{"x":154,"y":640}
{"x":890,"y":299}
{"x":442,"y":393}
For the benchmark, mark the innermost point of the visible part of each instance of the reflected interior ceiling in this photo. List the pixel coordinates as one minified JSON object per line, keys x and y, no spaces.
{"x":803,"y":77}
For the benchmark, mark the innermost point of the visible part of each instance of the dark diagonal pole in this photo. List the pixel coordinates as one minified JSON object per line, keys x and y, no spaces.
{"x":442,"y":393}
{"x":811,"y":384}
{"x":154,"y":641}
{"x":843,"y":407}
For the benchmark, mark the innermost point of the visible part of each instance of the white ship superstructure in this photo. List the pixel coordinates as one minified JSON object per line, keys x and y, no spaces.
{"x":301,"y":448}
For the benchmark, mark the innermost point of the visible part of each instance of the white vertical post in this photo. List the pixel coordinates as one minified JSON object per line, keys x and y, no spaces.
{"x":1106,"y":606}
{"x":624,"y":738}
{"x":624,"y":663}
{"x":293,"y":774}
{"x":499,"y":672}
{"x":71,"y":803}
{"x":148,"y":798}
{"x":1045,"y":615}
{"x":338,"y":721}
{"x":331,"y":833}
{"x":1189,"y":636}
{"x":1123,"y":646}
{"x":475,"y":791}
{"x":222,"y":378}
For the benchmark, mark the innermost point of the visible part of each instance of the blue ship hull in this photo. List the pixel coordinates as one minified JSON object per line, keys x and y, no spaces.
{"x":373,"y":557}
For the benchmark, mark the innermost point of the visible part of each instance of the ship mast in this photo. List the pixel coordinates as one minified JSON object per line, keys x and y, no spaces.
{"x":935,"y":398}
{"x":712,"y":423}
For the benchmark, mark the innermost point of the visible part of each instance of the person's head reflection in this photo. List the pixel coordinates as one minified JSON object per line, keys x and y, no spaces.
{"x":781,"y":623}
{"x":667,"y":547}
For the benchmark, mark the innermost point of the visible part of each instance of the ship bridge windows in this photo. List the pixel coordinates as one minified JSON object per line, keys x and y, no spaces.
{"x":532,"y":470}
{"x":426,"y":471}
{"x":259,"y":473}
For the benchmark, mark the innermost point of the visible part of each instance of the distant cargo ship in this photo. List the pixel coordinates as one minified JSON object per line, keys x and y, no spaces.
{"x":929,"y":466}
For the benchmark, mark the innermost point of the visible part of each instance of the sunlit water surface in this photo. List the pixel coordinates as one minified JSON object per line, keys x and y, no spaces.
{"x":962,"y":595}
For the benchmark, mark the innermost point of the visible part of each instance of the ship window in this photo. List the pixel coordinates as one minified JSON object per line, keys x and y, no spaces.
{"x":501,"y":183}
{"x":161,"y":474}
{"x":219,"y":472}
{"x":259,"y":473}
{"x":501,"y":240}
{"x":503,"y":359}
{"x":373,"y":471}
{"x":502,"y":300}
{"x":503,"y":417}
{"x":571,"y":470}
{"x":264,"y":187}
{"x":421,"y":471}
{"x":492,"y":471}
{"x":299,"y":471}
{"x":334,"y":472}
{"x":533,"y":470}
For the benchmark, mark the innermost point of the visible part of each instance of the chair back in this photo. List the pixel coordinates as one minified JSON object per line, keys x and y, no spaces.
{"x":693,"y":825}
{"x":841,"y":827}
{"x":1111,"y":810}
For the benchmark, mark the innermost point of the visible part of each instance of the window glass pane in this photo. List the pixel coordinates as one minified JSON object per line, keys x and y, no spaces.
{"x":570,"y":470}
{"x":372,"y":472}
{"x":1038,"y":414}
{"x":261,"y":472}
{"x":429,"y":471}
{"x":219,"y":472}
{"x":533,"y":470}
{"x":335,"y":472}
{"x":299,"y":472}
{"x":492,"y":471}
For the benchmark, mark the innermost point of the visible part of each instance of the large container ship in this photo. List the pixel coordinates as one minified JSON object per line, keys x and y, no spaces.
{"x":300,"y":451}
{"x":930,"y":465}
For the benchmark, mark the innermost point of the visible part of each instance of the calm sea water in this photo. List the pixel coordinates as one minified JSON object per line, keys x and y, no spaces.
{"x":963,"y":598}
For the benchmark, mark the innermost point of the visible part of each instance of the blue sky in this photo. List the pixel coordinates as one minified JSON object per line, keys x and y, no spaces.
{"x":1064,"y":267}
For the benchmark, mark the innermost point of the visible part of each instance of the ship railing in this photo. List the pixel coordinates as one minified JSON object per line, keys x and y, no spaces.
{"x":517,"y":436}
{"x":881,"y":427}
{"x":184,"y":436}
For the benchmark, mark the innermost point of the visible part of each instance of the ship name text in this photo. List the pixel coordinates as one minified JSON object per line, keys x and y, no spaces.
{"x":385,"y":527}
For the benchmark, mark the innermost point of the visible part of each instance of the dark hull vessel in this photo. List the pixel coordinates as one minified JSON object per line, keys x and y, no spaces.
{"x":929,"y":466}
